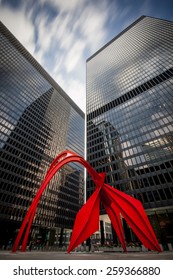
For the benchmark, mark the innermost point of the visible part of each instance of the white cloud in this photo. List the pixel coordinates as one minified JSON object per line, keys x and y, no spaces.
{"x":74,"y":88}
{"x":61,"y":32}
{"x":92,"y":26}
{"x":20,"y":25}
{"x":65,"y":41}
{"x":76,"y":91}
{"x":74,"y":55}
{"x":65,"y":5}
{"x":44,"y":33}
{"x":76,"y":37}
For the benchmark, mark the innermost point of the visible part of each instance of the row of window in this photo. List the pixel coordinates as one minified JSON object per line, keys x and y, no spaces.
{"x":37,"y":122}
{"x":131,"y":94}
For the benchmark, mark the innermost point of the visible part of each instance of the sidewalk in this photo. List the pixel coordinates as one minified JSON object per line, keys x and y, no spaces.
{"x":42,"y":255}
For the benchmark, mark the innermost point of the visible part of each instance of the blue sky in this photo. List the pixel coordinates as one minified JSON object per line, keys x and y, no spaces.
{"x":62,"y":34}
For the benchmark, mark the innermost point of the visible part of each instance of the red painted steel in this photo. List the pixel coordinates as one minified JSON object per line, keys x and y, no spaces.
{"x":116,"y":203}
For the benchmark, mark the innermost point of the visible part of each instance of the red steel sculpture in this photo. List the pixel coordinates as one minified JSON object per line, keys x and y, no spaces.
{"x":116,"y":204}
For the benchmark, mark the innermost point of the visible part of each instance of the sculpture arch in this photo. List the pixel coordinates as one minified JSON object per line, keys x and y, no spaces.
{"x":87,"y":219}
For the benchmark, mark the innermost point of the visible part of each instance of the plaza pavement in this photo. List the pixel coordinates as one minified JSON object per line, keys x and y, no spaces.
{"x":42,"y":255}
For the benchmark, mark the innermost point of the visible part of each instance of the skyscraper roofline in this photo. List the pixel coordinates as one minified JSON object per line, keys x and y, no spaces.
{"x":120,"y":34}
{"x":5,"y":31}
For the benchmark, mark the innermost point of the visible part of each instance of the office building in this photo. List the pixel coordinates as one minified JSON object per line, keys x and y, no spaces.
{"x":130,"y":118}
{"x":38,"y":121}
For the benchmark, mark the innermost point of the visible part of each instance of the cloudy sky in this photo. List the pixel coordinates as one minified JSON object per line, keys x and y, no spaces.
{"x":62,"y":34}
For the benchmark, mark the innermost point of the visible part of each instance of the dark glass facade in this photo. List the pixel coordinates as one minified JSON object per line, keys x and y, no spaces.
{"x":130,"y":118}
{"x":38,"y":121}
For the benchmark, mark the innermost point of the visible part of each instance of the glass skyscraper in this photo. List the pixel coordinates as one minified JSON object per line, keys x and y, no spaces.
{"x":130,"y":118}
{"x":38,"y":121}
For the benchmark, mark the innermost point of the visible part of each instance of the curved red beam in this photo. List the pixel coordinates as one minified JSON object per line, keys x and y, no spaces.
{"x":87,"y":219}
{"x":62,"y":159}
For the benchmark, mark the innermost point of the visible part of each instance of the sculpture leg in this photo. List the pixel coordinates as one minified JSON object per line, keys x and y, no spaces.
{"x":25,"y":240}
{"x":117,"y":224}
{"x":24,"y":223}
{"x":55,"y":166}
{"x":19,"y":235}
{"x":23,"y":226}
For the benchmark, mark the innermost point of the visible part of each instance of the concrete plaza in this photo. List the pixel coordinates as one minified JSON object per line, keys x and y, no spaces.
{"x":48,"y":255}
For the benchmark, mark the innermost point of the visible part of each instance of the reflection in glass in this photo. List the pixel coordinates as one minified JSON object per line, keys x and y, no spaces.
{"x":37,"y":122}
{"x":129,"y":115}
